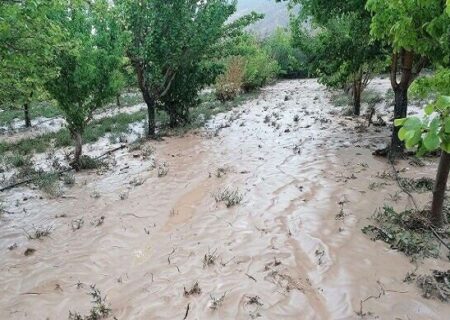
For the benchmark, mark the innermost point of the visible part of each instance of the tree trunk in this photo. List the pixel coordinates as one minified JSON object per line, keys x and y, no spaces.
{"x":149,"y":100}
{"x":357,"y":85}
{"x":173,"y":120}
{"x":437,"y":216}
{"x":151,"y":110}
{"x":401,"y":94}
{"x":118,"y":100}
{"x":78,"y":150}
{"x":400,"y":111}
{"x":26,"y":110}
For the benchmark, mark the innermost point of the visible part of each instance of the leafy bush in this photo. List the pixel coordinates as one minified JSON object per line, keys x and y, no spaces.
{"x":229,"y":84}
{"x":289,"y":58}
{"x":260,"y":69}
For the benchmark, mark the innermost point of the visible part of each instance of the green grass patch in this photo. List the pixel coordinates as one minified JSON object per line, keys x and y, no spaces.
{"x":341,"y":99}
{"x":95,"y":130}
{"x":119,"y":124}
{"x":37,"y":109}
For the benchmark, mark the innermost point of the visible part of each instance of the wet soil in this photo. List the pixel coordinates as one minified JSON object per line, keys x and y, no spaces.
{"x":292,"y":249}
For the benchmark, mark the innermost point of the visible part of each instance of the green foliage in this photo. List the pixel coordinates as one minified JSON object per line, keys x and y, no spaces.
{"x":28,"y":38}
{"x":290,"y":59}
{"x":260,"y":67}
{"x":89,"y":73}
{"x":409,"y":25}
{"x":433,"y":131}
{"x":173,"y":66}
{"x":339,"y":49}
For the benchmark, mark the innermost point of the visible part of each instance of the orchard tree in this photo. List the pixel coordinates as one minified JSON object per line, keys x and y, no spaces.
{"x":338,"y":49}
{"x":89,"y":68}
{"x":28,"y":38}
{"x":408,"y":27}
{"x":169,"y":38}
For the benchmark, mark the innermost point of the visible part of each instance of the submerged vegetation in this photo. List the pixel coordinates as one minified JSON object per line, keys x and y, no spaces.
{"x":408,"y":231}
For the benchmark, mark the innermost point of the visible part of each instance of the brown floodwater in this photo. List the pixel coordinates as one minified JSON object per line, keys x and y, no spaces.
{"x":294,"y":241}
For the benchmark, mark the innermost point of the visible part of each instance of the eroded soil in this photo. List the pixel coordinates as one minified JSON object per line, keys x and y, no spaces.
{"x":292,"y":249}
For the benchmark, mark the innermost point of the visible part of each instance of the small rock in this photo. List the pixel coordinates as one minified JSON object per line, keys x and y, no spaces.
{"x":29,"y":252}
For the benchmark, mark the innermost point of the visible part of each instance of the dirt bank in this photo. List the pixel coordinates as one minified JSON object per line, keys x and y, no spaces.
{"x":291,"y":249}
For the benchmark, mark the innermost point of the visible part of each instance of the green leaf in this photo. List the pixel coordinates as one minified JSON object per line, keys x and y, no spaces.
{"x":447,"y":125}
{"x":410,"y":143}
{"x":399,"y":122}
{"x":402,"y":134}
{"x":434,"y":125}
{"x":429,"y":109}
{"x":431,"y":141}
{"x":446,"y":147}
{"x":412,"y":123}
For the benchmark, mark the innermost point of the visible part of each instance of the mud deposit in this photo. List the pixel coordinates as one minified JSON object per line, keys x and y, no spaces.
{"x":291,"y":249}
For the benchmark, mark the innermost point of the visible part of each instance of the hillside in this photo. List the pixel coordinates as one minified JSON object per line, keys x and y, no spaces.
{"x":276,"y":14}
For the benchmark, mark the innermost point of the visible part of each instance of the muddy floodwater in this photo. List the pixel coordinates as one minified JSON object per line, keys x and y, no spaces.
{"x":150,"y":228}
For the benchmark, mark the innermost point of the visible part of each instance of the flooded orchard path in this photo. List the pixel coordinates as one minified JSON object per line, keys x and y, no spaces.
{"x":294,"y":242}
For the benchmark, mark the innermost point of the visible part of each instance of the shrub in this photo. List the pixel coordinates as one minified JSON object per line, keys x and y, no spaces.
{"x":280,"y":47}
{"x":229,"y":84}
{"x":260,"y":69}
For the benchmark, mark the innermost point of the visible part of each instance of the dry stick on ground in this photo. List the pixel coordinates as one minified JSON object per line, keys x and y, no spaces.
{"x":397,"y":178}
{"x":382,"y":292}
{"x":187,"y":311}
{"x":168,"y":257}
{"x":17,"y":184}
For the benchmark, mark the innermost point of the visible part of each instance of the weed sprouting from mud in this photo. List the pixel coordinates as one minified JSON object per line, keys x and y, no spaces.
{"x":69,"y":179}
{"x":77,"y":224}
{"x":48,"y":182}
{"x":229,"y":197}
{"x":123,"y":195}
{"x":88,"y":163}
{"x":436,"y":285}
{"x":39,"y":232}
{"x":99,"y":310}
{"x":195,"y":290}
{"x":95,"y":195}
{"x":254,"y":300}
{"x":210,"y":259}
{"x":407,"y":231}
{"x":220,"y":172}
{"x":163,"y":170}
{"x":215,"y":303}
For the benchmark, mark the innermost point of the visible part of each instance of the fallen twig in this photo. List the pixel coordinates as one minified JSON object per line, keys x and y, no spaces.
{"x":187,"y":311}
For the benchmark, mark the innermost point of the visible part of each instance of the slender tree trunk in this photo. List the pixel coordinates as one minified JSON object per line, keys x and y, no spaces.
{"x":118,"y":100}
{"x":78,"y":150}
{"x":173,"y":122}
{"x":437,"y":216}
{"x":151,"y":110}
{"x":401,"y":94}
{"x":149,"y":100}
{"x":400,"y":111}
{"x":26,"y":110}
{"x":357,"y":86}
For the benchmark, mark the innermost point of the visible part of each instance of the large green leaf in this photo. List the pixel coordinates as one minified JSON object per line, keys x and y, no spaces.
{"x":431,"y":141}
{"x":412,"y":123}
